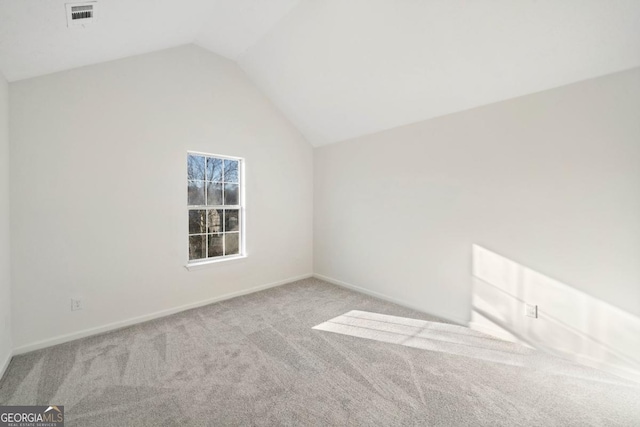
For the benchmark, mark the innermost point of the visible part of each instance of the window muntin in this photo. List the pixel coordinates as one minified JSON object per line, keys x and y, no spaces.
{"x":214,"y":199}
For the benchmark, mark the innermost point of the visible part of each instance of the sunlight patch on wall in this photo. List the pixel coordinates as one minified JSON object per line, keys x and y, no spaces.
{"x":570,"y":323}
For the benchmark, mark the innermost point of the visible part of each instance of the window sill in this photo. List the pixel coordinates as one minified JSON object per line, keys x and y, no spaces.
{"x":199,"y":265}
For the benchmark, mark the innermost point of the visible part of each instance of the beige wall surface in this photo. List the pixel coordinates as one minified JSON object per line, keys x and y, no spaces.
{"x":549,"y":180}
{"x":5,"y":291}
{"x":99,"y":190}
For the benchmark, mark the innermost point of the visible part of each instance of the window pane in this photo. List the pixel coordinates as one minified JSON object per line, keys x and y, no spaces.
{"x":214,"y":169}
{"x":214,"y":193}
{"x":197,"y":221}
{"x":195,"y":167}
{"x":196,"y":193}
{"x":215,"y":245}
{"x":230,"y":171}
{"x":214,"y":221}
{"x":231,"y":220}
{"x":197,"y":247}
{"x":231,"y":194}
{"x":232,"y":243}
{"x":213,"y":182}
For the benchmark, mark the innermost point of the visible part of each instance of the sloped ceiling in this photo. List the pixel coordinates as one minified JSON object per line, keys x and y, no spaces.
{"x":35,"y":40}
{"x":344,"y":68}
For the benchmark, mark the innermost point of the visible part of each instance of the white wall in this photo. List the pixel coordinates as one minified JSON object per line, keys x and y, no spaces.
{"x":99,"y":189}
{"x":5,"y":294}
{"x":550,"y":180}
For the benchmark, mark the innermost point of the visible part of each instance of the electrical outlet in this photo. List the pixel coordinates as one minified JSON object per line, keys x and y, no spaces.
{"x":531,"y":310}
{"x":76,"y":304}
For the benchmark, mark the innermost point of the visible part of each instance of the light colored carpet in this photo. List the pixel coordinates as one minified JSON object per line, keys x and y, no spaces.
{"x":257,"y":360}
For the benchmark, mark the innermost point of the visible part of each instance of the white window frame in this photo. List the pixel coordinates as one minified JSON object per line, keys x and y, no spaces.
{"x":241,"y":207}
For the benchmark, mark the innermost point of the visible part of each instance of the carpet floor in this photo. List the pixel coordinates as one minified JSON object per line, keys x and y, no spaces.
{"x":310,"y":353}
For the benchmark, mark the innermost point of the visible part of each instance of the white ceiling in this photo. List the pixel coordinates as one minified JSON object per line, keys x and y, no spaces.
{"x":235,"y":25}
{"x":344,"y":68}
{"x":35,"y":40}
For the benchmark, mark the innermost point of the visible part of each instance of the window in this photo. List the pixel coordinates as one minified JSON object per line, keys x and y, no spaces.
{"x":215,"y":202}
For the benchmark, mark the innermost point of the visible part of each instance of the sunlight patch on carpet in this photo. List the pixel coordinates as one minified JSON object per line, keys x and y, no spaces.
{"x":425,"y":335}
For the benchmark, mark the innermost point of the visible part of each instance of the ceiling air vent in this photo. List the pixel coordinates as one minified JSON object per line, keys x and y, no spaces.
{"x":81,"y":14}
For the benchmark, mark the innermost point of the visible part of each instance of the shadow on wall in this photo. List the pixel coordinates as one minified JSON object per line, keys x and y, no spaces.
{"x":570,"y":323}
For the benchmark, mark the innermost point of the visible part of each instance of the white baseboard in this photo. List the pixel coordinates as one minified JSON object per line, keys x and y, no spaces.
{"x":158,"y":314}
{"x":446,"y":316}
{"x":5,"y":364}
{"x":494,"y":332}
{"x":505,"y":333}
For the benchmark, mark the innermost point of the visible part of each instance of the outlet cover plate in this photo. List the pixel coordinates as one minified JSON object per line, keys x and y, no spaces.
{"x":531,"y":310}
{"x":76,"y":304}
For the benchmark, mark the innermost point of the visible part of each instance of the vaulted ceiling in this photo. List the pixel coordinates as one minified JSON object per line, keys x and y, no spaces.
{"x":339,"y":69}
{"x":35,"y":40}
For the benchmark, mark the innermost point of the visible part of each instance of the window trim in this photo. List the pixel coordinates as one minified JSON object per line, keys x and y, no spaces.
{"x":197,"y":265}
{"x":241,"y":206}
